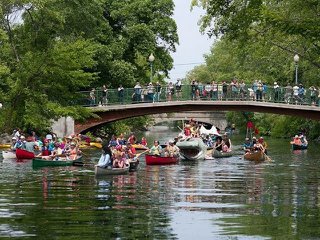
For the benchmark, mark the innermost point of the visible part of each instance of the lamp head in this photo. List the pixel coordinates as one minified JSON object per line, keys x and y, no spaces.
{"x":151,"y":58}
{"x":296,"y":58}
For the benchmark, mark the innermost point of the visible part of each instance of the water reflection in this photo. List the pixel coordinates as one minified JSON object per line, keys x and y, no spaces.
{"x":211,"y":199}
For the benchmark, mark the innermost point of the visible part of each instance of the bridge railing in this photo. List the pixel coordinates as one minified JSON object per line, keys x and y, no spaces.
{"x":131,"y":95}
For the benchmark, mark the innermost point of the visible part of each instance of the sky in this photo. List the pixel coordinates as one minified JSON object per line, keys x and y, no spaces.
{"x":192,"y":44}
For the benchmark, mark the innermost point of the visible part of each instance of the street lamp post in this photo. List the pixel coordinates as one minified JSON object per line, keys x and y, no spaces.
{"x":296,"y":60}
{"x":151,"y":59}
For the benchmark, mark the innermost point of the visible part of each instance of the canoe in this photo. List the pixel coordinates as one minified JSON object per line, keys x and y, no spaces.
{"x":298,"y":147}
{"x":159,"y":160}
{"x":111,"y":171}
{"x":8,"y":154}
{"x":134,"y":163}
{"x":5,"y":145}
{"x":218,"y":154}
{"x":139,"y":147}
{"x":258,"y":156}
{"x":192,"y":148}
{"x":40,"y":162}
{"x":96,"y":144}
{"x":24,"y":154}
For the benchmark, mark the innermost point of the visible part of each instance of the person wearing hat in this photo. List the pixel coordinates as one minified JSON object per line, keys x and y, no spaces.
{"x":21,"y":143}
{"x":301,"y":92}
{"x":13,"y":143}
{"x":296,"y":140}
{"x":254,"y":140}
{"x":171,"y":149}
{"x":247,"y":145}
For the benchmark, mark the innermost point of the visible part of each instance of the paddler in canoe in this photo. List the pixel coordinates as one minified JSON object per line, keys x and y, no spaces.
{"x":264,"y":144}
{"x":105,"y":160}
{"x":156,"y":149}
{"x":171,"y":149}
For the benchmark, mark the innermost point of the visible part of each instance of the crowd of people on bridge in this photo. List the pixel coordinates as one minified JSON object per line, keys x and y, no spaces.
{"x":233,"y":90}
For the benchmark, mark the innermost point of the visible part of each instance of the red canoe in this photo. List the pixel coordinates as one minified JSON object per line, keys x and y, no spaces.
{"x":24,"y":154}
{"x":158,"y":160}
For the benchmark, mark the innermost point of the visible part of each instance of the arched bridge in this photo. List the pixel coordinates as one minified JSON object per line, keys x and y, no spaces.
{"x":112,"y":113}
{"x":216,"y":118}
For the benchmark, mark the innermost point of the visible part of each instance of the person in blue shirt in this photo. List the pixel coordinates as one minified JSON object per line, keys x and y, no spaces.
{"x":247,"y":145}
{"x":301,"y":92}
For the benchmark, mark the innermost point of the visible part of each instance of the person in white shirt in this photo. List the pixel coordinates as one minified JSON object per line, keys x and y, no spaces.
{"x":295,"y":93}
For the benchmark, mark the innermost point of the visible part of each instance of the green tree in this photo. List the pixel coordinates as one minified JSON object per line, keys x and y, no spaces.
{"x":139,"y":28}
{"x":288,"y":26}
{"x":49,"y":50}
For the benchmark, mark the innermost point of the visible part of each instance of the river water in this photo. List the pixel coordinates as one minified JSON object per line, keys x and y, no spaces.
{"x":227,"y":198}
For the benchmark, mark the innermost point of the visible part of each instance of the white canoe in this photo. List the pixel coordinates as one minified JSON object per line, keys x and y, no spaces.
{"x":8,"y":154}
{"x":111,"y":171}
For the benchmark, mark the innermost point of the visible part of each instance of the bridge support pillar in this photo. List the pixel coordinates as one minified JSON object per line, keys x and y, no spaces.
{"x":63,"y":126}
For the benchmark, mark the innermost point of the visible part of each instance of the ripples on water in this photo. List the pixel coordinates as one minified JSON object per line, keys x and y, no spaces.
{"x":210,"y":199}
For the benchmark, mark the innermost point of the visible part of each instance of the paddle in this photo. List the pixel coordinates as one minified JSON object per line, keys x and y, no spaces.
{"x":267,"y":158}
{"x":139,"y":154}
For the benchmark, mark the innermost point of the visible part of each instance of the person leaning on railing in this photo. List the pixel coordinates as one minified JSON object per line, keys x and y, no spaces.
{"x":223,"y":91}
{"x":120,"y":94}
{"x":156,"y":97}
{"x":313,"y":95}
{"x":288,"y":93}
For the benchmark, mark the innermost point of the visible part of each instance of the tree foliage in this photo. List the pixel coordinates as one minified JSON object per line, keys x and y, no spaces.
{"x":257,"y":40}
{"x":50,"y":49}
{"x":260,"y":38}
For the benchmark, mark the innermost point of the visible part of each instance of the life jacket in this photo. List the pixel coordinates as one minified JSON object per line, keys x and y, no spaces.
{"x":45,"y":151}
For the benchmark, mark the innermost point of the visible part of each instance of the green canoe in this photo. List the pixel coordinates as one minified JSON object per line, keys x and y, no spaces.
{"x":40,"y":162}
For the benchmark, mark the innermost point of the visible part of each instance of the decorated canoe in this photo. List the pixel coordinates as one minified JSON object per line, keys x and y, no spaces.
{"x":8,"y":154}
{"x":258,"y":156}
{"x":192,"y":148}
{"x":299,"y":147}
{"x":160,"y":160}
{"x":218,"y":154}
{"x":24,"y":154}
{"x":99,"y":171}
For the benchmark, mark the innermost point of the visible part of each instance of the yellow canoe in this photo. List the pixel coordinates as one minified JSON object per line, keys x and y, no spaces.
{"x":5,"y":145}
{"x":96,"y":144}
